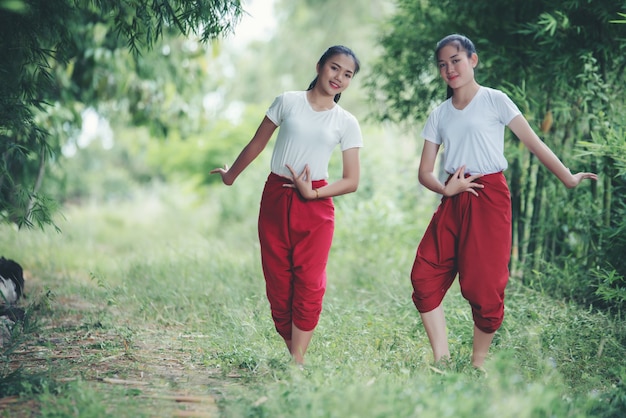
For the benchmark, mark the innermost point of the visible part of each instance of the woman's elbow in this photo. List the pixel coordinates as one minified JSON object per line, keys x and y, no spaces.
{"x":352,"y":186}
{"x":421,"y":177}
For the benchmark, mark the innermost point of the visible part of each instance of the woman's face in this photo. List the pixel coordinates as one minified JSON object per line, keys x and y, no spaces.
{"x":335,"y":74}
{"x":455,"y":67}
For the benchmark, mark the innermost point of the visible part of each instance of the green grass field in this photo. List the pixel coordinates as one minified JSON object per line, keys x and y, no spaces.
{"x":155,"y":306}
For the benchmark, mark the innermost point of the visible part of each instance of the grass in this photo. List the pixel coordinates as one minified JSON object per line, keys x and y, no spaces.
{"x":128,"y":287}
{"x":140,"y":305}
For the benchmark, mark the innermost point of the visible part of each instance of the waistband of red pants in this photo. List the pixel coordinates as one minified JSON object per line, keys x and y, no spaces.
{"x":275,"y":178}
{"x":485,"y":178}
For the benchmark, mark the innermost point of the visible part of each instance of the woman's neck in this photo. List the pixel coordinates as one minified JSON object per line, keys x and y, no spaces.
{"x":464,"y":95}
{"x":320,"y":102}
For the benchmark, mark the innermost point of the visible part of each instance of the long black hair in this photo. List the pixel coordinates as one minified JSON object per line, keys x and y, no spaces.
{"x":331,"y":52}
{"x":462,"y":43}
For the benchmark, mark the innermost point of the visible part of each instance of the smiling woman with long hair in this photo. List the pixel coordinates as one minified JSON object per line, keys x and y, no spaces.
{"x":297,"y":214}
{"x":470,"y":233}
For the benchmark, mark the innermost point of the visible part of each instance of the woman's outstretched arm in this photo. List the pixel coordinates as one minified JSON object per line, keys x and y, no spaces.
{"x":249,"y":153}
{"x":521,"y":128}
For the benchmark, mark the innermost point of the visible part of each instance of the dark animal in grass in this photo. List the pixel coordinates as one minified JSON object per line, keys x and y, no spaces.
{"x":11,"y":289}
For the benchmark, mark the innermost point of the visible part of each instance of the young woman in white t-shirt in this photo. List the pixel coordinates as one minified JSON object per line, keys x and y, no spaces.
{"x":296,"y":216}
{"x":470,"y":233}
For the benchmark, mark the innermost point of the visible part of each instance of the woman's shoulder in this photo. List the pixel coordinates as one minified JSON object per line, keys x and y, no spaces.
{"x":345,"y":114}
{"x":494,"y":96}
{"x":293,"y":94}
{"x":441,"y":107}
{"x":493,"y":92}
{"x":499,"y":100}
{"x":289,"y":99}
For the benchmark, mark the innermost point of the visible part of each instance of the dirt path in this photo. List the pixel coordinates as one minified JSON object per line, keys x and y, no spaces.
{"x":154,"y":366}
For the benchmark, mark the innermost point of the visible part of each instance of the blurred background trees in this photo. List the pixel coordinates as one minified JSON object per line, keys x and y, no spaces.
{"x":99,"y":98}
{"x":563,"y":63}
{"x":60,"y":57}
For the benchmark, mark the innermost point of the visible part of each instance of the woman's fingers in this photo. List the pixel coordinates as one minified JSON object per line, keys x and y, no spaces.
{"x":291,"y":170}
{"x":303,"y":176}
{"x":459,"y":183}
{"x":219,"y":170}
{"x":592,"y":176}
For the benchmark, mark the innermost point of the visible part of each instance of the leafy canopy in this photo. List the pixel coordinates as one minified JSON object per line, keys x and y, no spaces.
{"x":42,"y":40}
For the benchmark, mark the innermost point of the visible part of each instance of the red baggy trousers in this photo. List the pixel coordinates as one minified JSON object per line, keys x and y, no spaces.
{"x":295,"y":236}
{"x":469,"y":235}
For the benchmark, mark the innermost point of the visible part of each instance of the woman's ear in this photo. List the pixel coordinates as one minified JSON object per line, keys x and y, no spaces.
{"x":474,"y":60}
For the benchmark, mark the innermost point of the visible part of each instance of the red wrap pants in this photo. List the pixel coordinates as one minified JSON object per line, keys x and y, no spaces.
{"x":469,"y":235}
{"x":295,"y":236}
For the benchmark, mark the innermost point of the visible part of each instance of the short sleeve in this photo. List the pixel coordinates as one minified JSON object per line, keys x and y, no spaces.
{"x":430,"y":131}
{"x":275,"y":111}
{"x":505,"y":107}
{"x":352,"y":137}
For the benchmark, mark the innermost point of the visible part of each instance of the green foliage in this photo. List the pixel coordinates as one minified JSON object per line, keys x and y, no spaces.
{"x":142,"y":22}
{"x":176,"y":266}
{"x":402,"y":81}
{"x":52,"y":51}
{"x":165,"y":272}
{"x":304,"y":30}
{"x":577,"y":110}
{"x":611,"y":288}
{"x":614,"y":404}
{"x":620,"y":21}
{"x":72,"y":400}
{"x":177,"y":158}
{"x":16,"y":380}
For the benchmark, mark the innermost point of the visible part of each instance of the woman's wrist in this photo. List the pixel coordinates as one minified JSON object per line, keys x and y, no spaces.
{"x":317,"y":193}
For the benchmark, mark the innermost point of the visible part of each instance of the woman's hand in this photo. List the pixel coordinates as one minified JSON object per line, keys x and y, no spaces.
{"x":302,"y":182}
{"x":578,"y":177}
{"x":520,"y":127}
{"x":224,"y":173}
{"x":458,"y":183}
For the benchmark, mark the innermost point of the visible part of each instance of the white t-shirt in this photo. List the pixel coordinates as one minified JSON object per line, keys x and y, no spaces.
{"x":473,"y":136}
{"x":307,"y":136}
